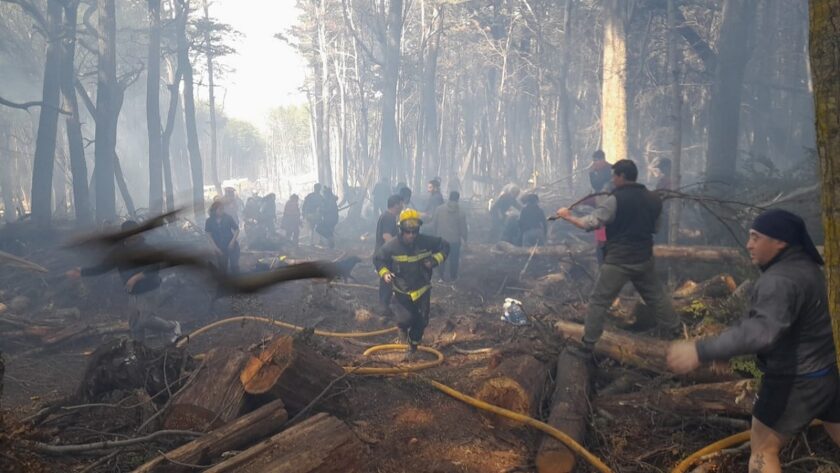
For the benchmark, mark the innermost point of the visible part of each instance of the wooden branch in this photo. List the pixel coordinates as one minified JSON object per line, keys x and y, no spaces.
{"x":27,"y":105}
{"x":643,"y":352}
{"x":87,"y":447}
{"x":726,"y":398}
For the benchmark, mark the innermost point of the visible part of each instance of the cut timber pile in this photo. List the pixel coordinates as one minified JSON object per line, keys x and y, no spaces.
{"x":569,"y":408}
{"x":727,"y":398}
{"x":643,"y":352}
{"x":320,"y":444}
{"x":516,"y":384}
{"x":239,"y":433}
{"x":214,"y":397}
{"x":290,"y":370}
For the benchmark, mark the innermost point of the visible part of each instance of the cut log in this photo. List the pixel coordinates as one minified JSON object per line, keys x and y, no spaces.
{"x":517,"y":384}
{"x":643,"y":352}
{"x":569,"y":409}
{"x":700,"y":254}
{"x":722,"y":285}
{"x":727,"y":398}
{"x":320,"y":444}
{"x":290,"y":370}
{"x":214,"y":397}
{"x":235,"y":435}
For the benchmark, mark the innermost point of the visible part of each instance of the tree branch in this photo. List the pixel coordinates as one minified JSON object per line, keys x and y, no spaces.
{"x":27,"y":105}
{"x":86,"y":447}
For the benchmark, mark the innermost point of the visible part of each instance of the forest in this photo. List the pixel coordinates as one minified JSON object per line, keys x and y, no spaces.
{"x":494,"y":133}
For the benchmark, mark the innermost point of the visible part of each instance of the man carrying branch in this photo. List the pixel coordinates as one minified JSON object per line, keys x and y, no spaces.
{"x":631,"y":215}
{"x":789,"y":327}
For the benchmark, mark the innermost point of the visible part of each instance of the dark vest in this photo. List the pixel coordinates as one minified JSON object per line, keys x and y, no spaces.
{"x":630,"y":235}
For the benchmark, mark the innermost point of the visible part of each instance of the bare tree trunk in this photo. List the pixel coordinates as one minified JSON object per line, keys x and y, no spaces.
{"x":676,"y":121}
{"x":390,"y":154}
{"x":825,"y":64}
{"x":42,"y":171}
{"x":107,"y":112}
{"x":725,"y":105}
{"x":214,"y":169}
{"x":171,"y":116}
{"x":614,"y":85}
{"x":7,"y":170}
{"x":189,"y":111}
{"x":322,"y":98}
{"x":78,"y":164}
{"x":564,"y":115}
{"x":153,"y":110}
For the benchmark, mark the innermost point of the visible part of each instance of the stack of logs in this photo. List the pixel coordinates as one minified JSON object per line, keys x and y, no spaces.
{"x":244,"y":402}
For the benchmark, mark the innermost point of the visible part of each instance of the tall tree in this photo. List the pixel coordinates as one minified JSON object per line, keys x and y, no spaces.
{"x":42,"y":172}
{"x":390,"y":160}
{"x":737,"y":21}
{"x":825,"y":70}
{"x":614,"y":82}
{"x":108,"y":104}
{"x":214,"y":169}
{"x":676,"y":118}
{"x":78,"y":164}
{"x":196,"y":167}
{"x":153,"y":110}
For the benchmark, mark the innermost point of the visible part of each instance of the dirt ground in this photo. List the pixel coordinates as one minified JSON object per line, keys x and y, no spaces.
{"x":406,"y":424}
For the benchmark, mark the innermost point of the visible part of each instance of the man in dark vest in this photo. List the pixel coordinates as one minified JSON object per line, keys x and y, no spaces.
{"x":631,"y":216}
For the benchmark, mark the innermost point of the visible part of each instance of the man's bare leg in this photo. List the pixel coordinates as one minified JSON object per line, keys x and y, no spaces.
{"x":765,"y":444}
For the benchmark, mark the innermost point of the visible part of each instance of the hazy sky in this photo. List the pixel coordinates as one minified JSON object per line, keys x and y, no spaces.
{"x":268,"y":72}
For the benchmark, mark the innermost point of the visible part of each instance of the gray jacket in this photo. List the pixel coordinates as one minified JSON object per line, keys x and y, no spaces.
{"x":450,"y":223}
{"x":788,"y":325}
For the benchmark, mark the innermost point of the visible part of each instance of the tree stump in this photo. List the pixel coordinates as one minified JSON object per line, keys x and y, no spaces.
{"x":569,"y":410}
{"x":214,"y":397}
{"x":290,"y":370}
{"x":320,"y":444}
{"x":516,"y":384}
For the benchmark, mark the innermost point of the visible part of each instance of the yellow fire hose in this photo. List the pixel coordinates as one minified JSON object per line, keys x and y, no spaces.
{"x":721,"y":444}
{"x":542,"y":426}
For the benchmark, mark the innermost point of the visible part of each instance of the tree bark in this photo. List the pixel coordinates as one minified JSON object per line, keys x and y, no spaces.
{"x":171,"y":116}
{"x":699,"y":254}
{"x":214,"y":168}
{"x":108,"y":104}
{"x":721,"y":285}
{"x":569,"y":411}
{"x":78,"y":164}
{"x":189,"y":111}
{"x":320,"y":444}
{"x":725,"y":104}
{"x":42,"y":167}
{"x":726,"y":398}
{"x":390,"y":153}
{"x":214,"y":397}
{"x":614,"y":85}
{"x":517,"y":384}
{"x":153,"y":110}
{"x":825,"y":68}
{"x":643,"y":352}
{"x":235,"y":435}
{"x":673,"y":208}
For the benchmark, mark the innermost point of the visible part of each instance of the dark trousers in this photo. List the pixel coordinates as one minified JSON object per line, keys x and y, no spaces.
{"x":611,"y":278}
{"x":385,"y":293}
{"x":142,"y":316}
{"x":413,"y":316}
{"x":450,"y":264}
{"x":228,"y":261}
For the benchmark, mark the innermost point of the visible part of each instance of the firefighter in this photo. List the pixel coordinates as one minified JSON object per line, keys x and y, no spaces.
{"x":406,"y":263}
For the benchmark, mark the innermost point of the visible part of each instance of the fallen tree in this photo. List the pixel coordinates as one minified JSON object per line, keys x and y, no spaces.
{"x":234,"y":435}
{"x":700,"y":254}
{"x":642,"y":352}
{"x":726,"y":398}
{"x":320,"y":444}
{"x":721,"y":285}
{"x":569,"y":410}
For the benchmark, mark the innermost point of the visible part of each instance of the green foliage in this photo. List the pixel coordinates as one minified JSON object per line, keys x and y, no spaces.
{"x":746,"y":365}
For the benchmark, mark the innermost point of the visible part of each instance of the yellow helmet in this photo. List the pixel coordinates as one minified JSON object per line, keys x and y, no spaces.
{"x":409,"y":218}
